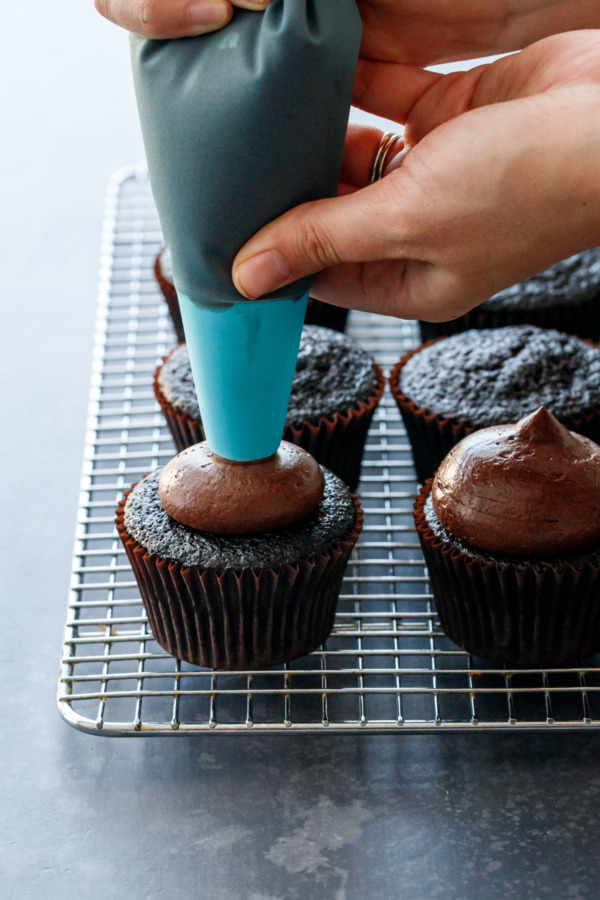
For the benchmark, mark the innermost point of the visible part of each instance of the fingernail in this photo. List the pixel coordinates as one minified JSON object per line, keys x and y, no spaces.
{"x":263,"y":273}
{"x":207,"y":12}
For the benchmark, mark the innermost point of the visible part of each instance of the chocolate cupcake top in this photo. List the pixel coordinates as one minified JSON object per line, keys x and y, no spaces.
{"x":333,"y":374}
{"x":529,"y":488}
{"x":575,"y":279}
{"x":499,"y":375}
{"x":164,"y":261}
{"x":576,"y":559}
{"x":159,"y":534}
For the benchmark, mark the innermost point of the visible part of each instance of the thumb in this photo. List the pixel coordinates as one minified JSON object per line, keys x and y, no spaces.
{"x":363,"y":226}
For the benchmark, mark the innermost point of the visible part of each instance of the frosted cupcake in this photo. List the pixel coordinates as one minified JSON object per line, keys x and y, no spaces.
{"x":448,"y":388}
{"x":510,"y":531}
{"x":239,"y":579}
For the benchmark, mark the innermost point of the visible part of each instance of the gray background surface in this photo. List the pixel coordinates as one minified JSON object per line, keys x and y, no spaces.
{"x":251,"y":817}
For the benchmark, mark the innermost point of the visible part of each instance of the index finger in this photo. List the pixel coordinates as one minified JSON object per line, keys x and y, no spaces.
{"x":360,"y":148}
{"x":165,"y":19}
{"x":390,"y":89}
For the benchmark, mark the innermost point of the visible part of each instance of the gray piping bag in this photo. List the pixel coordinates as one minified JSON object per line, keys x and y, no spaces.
{"x":239,"y":126}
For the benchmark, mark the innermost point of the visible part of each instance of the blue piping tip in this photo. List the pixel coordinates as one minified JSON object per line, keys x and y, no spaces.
{"x":243,"y":360}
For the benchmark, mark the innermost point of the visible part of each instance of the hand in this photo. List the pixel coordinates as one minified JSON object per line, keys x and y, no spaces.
{"x":426,"y":32}
{"x":499,"y":179}
{"x":173,"y":18}
{"x":415,"y":32}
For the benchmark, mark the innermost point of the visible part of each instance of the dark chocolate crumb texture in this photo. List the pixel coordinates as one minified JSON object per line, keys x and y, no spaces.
{"x":576,"y":279}
{"x":499,"y":375}
{"x":159,"y":534}
{"x":558,"y":562}
{"x":333,"y":374}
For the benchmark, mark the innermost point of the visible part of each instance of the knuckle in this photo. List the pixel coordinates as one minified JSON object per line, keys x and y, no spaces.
{"x":148,"y":16}
{"x":318,"y":243}
{"x":364,"y":81}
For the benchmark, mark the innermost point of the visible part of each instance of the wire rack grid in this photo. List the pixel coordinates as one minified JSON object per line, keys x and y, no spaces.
{"x":386,"y":668}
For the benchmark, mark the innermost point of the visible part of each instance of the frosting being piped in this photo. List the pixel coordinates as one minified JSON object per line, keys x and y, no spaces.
{"x":202,"y":490}
{"x":529,"y":488}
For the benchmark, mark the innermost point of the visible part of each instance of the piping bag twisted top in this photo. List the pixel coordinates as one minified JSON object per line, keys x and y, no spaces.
{"x":239,"y":126}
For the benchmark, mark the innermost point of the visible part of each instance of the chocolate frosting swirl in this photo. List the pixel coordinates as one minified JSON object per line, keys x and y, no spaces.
{"x":202,"y":490}
{"x":529,"y":488}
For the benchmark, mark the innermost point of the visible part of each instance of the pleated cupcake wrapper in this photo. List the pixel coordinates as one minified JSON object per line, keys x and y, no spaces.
{"x":337,"y":442}
{"x":326,"y":315}
{"x":510,"y":614}
{"x":581,"y":318}
{"x":170,"y":294}
{"x":432,"y":435}
{"x":237,"y":620}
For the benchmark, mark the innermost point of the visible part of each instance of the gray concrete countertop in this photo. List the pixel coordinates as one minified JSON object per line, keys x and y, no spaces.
{"x":256,"y":817}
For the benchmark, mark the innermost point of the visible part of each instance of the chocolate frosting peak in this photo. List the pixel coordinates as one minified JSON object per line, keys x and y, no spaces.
{"x":529,"y":488}
{"x":202,"y":490}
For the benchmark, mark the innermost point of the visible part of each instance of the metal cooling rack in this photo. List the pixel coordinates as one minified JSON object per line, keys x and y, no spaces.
{"x":387,"y":667}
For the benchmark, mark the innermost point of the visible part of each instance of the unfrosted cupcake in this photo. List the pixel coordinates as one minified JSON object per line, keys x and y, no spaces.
{"x":317,"y":312}
{"x":326,"y":315}
{"x":566,"y":297}
{"x":448,"y":388}
{"x":510,"y":531}
{"x":239,"y":601}
{"x":337,"y":387}
{"x":164,"y":276}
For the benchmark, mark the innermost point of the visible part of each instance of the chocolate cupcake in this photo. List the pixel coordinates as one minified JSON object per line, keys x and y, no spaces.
{"x":566,"y":297}
{"x":317,"y":312}
{"x":238,"y":601}
{"x":164,"y":276}
{"x":337,"y":387}
{"x":447,"y":389}
{"x":326,"y":315}
{"x":510,"y":531}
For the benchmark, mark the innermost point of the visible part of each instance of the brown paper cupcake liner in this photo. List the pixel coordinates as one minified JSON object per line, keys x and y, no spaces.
{"x":170,"y":295}
{"x":511,"y":614}
{"x":326,"y":315}
{"x":247,"y":619}
{"x":337,"y":442}
{"x":432,"y":435}
{"x":581,"y":318}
